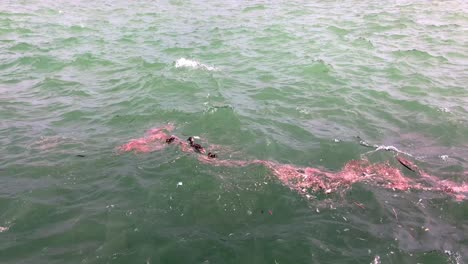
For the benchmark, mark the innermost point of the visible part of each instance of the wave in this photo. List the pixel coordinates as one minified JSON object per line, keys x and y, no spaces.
{"x":187,"y":63}
{"x":41,"y":63}
{"x":383,"y":147}
{"x":419,"y":54}
{"x":253,"y":8}
{"x":22,"y":46}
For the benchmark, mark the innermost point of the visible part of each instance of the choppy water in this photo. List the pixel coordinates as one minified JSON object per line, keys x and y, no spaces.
{"x":291,"y":82}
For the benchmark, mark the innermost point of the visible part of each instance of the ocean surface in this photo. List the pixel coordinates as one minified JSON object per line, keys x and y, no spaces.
{"x":281,"y":91}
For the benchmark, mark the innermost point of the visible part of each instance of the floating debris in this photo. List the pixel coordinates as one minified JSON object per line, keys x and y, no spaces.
{"x":305,"y":180}
{"x":360,"y":205}
{"x":407,"y":164}
{"x":395,"y":213}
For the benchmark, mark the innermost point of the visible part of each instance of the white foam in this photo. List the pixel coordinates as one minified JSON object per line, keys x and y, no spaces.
{"x":391,"y":148}
{"x":455,"y":257}
{"x":376,"y":260}
{"x":444,"y":109}
{"x":383,"y":147}
{"x":4,"y":228}
{"x":186,"y":63}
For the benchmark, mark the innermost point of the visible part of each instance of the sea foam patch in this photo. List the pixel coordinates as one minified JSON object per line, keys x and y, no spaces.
{"x":187,"y":63}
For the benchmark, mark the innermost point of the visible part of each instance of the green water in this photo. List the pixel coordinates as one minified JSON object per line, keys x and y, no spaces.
{"x":288,"y":78}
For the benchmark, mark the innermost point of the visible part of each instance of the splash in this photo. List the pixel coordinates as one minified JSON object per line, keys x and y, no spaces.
{"x":454,"y":257}
{"x":187,"y":63}
{"x":307,"y":179}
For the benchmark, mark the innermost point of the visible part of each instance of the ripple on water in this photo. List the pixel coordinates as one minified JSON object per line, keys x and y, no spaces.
{"x":254,"y":8}
{"x":60,"y":86}
{"x":22,"y":47}
{"x":419,"y":55}
{"x":79,"y":78}
{"x":89,"y":60}
{"x":40,"y":63}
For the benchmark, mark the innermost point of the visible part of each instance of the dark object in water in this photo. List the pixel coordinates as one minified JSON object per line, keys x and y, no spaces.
{"x":212,"y":155}
{"x":81,"y":156}
{"x":190,"y":140}
{"x":407,"y":164}
{"x":197,"y":147}
{"x":170,"y":140}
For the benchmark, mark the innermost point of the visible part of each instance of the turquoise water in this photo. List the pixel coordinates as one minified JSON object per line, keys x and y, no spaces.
{"x":293,"y":82}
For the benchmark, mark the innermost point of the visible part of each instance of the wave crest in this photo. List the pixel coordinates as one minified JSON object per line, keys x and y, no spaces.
{"x":187,"y":63}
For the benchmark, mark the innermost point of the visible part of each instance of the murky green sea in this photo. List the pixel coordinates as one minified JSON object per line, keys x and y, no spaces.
{"x":289,"y":81}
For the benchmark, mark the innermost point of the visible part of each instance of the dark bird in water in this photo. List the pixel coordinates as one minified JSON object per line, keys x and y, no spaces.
{"x":197,"y":147}
{"x":190,"y":140}
{"x":170,"y":140}
{"x":212,"y":155}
